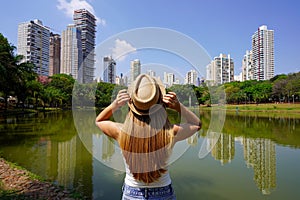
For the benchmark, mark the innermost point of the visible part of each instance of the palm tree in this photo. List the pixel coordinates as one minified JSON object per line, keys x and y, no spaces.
{"x":7,"y":67}
{"x":14,"y":74}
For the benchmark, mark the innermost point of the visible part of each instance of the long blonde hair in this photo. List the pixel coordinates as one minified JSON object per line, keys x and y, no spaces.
{"x":146,"y":142}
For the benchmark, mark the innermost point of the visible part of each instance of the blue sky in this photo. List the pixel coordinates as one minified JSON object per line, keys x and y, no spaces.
{"x":218,"y":26}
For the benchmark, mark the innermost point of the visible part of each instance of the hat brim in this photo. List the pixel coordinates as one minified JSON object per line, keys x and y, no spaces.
{"x":152,"y":110}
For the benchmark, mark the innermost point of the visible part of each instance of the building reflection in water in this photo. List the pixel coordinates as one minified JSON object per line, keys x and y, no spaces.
{"x":193,"y":140}
{"x":108,"y":148}
{"x":260,"y":154}
{"x":223,"y":149}
{"x":71,"y":165}
{"x":66,"y":162}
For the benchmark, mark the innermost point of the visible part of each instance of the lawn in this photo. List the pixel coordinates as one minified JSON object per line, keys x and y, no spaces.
{"x":272,"y":109}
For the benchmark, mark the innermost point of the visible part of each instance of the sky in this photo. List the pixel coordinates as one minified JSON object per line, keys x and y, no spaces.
{"x":216,"y":26}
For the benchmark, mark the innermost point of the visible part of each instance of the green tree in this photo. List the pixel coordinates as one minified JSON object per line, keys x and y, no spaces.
{"x":84,"y":94}
{"x":185,"y":94}
{"x":104,"y":94}
{"x":60,"y":88}
{"x":35,"y":89}
{"x":202,"y":94}
{"x":14,"y":74}
{"x":7,"y":67}
{"x":232,"y":90}
{"x":24,"y":75}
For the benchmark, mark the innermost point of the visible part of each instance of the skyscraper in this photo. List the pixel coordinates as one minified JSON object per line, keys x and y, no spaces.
{"x":220,"y":70}
{"x":33,"y":44}
{"x":86,"y":22}
{"x":109,"y":73}
{"x":191,"y":77}
{"x":135,"y":69}
{"x":54,"y":54}
{"x":151,"y":73}
{"x":169,"y":79}
{"x":71,"y":52}
{"x":247,"y":66}
{"x":263,"y":53}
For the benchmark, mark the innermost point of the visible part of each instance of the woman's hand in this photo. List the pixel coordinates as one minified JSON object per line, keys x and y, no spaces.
{"x":121,"y":99}
{"x":171,"y":101}
{"x":103,"y":121}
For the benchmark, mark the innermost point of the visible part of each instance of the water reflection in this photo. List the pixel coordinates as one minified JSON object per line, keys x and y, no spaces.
{"x":108,"y":148}
{"x":66,"y":162}
{"x":260,"y":155}
{"x":223,"y":148}
{"x":49,"y":145}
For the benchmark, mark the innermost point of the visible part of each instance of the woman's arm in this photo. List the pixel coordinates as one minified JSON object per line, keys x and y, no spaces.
{"x":108,"y":127}
{"x":193,"y":123}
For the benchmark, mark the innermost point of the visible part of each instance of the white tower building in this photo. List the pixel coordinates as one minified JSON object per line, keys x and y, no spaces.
{"x":191,"y":77}
{"x":220,"y":70}
{"x":109,"y":74}
{"x":33,"y":44}
{"x":263,"y":53}
{"x":71,"y":52}
{"x":86,"y":22}
{"x":247,"y":66}
{"x":135,"y":69}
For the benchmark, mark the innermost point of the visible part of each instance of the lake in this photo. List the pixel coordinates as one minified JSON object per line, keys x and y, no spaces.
{"x":251,"y":158}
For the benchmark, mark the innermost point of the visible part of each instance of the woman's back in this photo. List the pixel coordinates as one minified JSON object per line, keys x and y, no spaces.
{"x":145,"y":147}
{"x":146,"y":137}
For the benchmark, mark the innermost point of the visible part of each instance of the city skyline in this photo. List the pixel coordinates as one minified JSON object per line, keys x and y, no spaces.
{"x":189,"y":18}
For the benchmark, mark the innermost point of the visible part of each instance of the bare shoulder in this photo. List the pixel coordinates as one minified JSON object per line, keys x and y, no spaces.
{"x":110,"y":128}
{"x":184,"y":131}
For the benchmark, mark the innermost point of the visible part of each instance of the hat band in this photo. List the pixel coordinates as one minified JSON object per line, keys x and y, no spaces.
{"x":140,"y":110}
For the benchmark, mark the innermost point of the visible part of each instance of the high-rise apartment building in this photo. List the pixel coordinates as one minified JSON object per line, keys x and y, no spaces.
{"x":220,"y":70}
{"x":191,"y":78}
{"x":71,"y":52}
{"x":169,"y":79}
{"x":247,"y":66}
{"x":86,"y":22}
{"x":109,"y":74}
{"x":263,"y":53}
{"x":33,"y":44}
{"x":135,"y":69}
{"x":151,"y":73}
{"x":54,"y":54}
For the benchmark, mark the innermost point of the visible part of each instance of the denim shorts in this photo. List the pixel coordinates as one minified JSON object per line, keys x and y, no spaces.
{"x":158,"y":193}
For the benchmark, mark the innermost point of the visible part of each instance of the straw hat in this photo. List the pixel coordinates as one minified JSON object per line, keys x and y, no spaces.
{"x":146,"y":93}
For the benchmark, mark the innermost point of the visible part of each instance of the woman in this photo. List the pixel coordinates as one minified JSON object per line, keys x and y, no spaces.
{"x":147,"y":137}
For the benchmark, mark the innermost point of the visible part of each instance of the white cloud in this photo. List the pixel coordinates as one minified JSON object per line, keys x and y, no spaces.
{"x":121,"y":48}
{"x":68,"y":8}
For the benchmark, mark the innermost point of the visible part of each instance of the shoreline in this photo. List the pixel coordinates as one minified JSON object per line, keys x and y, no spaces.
{"x":18,"y":183}
{"x":265,"y":110}
{"x":261,"y":110}
{"x":15,"y":112}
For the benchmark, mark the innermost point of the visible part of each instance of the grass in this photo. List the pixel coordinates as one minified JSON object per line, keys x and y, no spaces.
{"x":263,"y":110}
{"x":14,"y":194}
{"x":261,"y":107}
{"x":28,"y":173}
